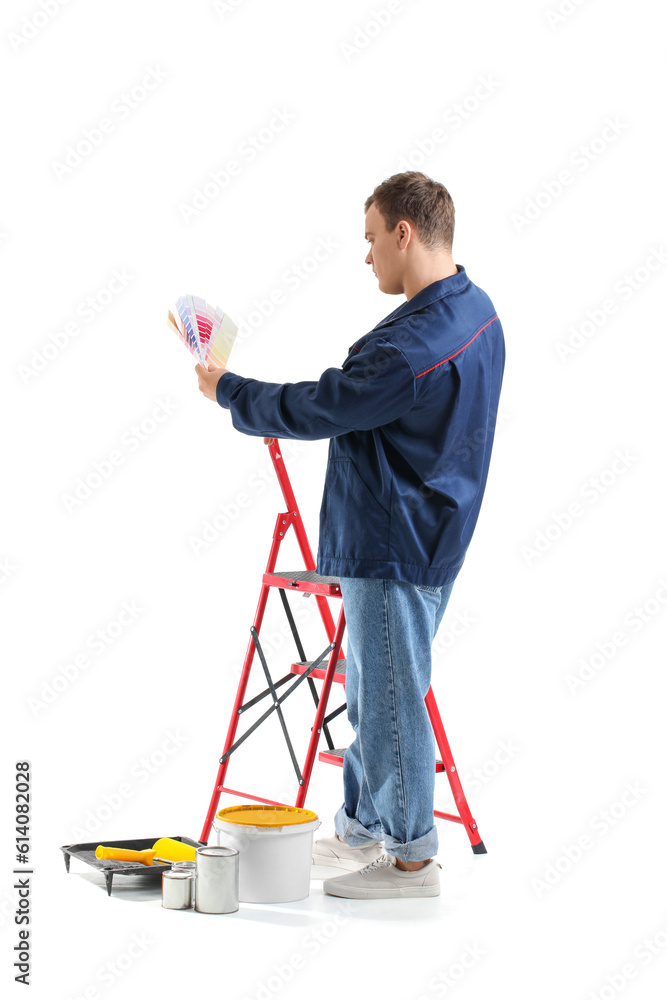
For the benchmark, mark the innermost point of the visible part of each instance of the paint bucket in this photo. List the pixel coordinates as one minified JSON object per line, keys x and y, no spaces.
{"x":275,"y":845}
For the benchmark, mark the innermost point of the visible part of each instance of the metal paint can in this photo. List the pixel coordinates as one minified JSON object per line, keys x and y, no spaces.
{"x":191,"y":868}
{"x":185,"y":866}
{"x":217,"y":880}
{"x":177,"y":890}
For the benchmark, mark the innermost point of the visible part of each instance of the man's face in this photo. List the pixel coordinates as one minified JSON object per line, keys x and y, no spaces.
{"x":385,"y":255}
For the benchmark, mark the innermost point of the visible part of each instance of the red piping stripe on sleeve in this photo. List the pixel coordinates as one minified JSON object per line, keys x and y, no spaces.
{"x":460,"y":349}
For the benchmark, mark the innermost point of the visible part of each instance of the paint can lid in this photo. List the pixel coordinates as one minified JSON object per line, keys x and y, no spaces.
{"x":265,"y":815}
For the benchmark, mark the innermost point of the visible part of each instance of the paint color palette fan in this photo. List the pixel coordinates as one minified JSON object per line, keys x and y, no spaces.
{"x":206,"y":331}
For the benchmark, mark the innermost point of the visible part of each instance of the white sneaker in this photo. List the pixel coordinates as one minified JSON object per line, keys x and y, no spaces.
{"x":383,"y":880}
{"x":333,"y":853}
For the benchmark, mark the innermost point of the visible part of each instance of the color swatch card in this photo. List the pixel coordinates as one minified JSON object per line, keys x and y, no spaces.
{"x":207,"y":332}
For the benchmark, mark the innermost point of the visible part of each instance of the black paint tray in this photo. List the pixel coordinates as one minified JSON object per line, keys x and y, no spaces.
{"x":86,"y":852}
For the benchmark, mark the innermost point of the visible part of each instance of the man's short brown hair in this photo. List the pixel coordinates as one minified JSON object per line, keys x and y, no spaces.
{"x":425,"y":203}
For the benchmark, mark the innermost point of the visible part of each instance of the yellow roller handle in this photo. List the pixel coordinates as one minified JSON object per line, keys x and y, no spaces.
{"x":123,"y":854}
{"x":174,"y":850}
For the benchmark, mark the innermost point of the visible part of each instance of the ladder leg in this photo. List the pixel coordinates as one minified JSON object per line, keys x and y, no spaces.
{"x":234,"y":721}
{"x":321,"y":708}
{"x":291,"y":517}
{"x":454,"y":782}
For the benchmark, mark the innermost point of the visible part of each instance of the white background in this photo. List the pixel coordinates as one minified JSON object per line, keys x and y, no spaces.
{"x":149,"y":713}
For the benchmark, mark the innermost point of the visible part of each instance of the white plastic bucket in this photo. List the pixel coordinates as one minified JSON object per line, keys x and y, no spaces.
{"x":274,"y":861}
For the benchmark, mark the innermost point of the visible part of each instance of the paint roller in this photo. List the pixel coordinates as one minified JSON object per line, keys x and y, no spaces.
{"x":164,"y":851}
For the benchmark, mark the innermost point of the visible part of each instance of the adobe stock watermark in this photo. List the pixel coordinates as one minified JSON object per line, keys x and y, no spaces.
{"x":291,"y":280}
{"x":562,"y":12}
{"x":458,"y":624}
{"x":87,"y":310}
{"x":365,"y":33}
{"x":229,"y":512}
{"x":115,"y":969}
{"x":633,"y":622}
{"x":32,"y":24}
{"x":447,"y":979}
{"x":140,"y":772}
{"x":643,"y":954}
{"x":453,"y":118}
{"x":591,"y":491}
{"x":222,"y":7}
{"x":579,"y":161}
{"x":7,"y":907}
{"x":247,"y":151}
{"x":122,"y":107}
{"x":467,"y":449}
{"x":383,"y":350}
{"x":624,"y":289}
{"x":131,"y":440}
{"x":95,"y":644}
{"x":477,"y":777}
{"x":273,"y":641}
{"x":7,"y":569}
{"x":599,"y":826}
{"x":311,"y":944}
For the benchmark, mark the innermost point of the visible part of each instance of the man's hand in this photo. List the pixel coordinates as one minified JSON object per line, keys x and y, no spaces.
{"x":208,"y":380}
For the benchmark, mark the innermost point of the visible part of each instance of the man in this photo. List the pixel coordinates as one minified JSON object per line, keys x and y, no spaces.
{"x":411,"y":416}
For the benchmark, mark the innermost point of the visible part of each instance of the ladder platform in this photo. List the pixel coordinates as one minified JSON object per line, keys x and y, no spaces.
{"x":305,"y":580}
{"x":301,"y":666}
{"x":336,"y":757}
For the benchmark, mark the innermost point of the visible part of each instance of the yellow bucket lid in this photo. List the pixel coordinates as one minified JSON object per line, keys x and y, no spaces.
{"x":262,"y":815}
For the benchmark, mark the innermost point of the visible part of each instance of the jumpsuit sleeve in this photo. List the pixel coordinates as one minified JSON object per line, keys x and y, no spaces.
{"x":374,"y":387}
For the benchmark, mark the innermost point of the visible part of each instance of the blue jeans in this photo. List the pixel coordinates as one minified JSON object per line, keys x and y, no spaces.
{"x":389,"y":768}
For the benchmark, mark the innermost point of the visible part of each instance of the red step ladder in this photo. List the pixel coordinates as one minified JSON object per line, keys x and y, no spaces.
{"x":333,"y":670}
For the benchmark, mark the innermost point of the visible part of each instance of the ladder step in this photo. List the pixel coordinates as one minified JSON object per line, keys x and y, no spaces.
{"x":301,"y":666}
{"x":305,"y":580}
{"x":336,"y":757}
{"x":332,"y":756}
